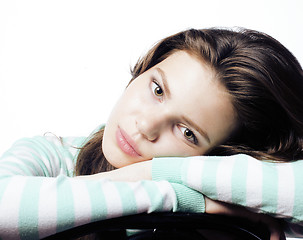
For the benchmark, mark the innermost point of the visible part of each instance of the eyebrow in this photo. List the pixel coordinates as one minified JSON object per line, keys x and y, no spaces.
{"x":198,"y":129}
{"x":164,"y":81}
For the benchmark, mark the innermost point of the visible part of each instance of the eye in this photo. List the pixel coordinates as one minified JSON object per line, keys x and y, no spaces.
{"x":157,"y":90}
{"x":188,"y":134}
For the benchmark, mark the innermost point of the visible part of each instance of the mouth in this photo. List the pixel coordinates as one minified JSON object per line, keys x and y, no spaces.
{"x":126,"y":144}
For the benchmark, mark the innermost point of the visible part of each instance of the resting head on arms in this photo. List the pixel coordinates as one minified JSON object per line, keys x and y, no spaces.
{"x":205,"y":92}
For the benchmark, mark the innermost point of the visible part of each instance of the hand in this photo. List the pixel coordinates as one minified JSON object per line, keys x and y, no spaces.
{"x":274,"y":226}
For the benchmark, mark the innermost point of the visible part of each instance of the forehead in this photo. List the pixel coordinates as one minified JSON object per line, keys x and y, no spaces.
{"x":196,"y":93}
{"x":186,"y":74}
{"x":187,"y":66}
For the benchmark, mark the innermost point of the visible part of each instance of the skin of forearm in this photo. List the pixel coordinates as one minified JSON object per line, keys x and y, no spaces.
{"x":131,"y":173}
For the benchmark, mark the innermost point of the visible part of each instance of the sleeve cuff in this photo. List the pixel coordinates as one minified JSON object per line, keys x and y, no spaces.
{"x":188,"y":200}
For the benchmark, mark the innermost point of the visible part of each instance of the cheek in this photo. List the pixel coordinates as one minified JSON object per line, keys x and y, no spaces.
{"x":133,"y":99}
{"x":128,"y":103}
{"x":108,"y":146}
{"x":169,"y":147}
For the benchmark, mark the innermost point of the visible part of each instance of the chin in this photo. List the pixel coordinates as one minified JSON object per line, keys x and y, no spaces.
{"x":113,"y":158}
{"x":108,"y":154}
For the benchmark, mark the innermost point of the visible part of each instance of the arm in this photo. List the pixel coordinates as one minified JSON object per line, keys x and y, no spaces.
{"x":242,"y":180}
{"x":39,"y":197}
{"x":262,"y":187}
{"x":143,"y":170}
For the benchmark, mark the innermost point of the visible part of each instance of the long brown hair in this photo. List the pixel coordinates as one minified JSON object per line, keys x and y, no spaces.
{"x":264,"y":79}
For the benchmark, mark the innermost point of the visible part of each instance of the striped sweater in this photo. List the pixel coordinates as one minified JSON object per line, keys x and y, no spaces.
{"x":39,"y":196}
{"x":263,"y":187}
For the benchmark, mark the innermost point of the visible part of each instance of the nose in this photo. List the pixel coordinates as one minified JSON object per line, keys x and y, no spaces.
{"x":151,"y":123}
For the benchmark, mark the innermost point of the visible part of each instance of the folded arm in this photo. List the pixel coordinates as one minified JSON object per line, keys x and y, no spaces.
{"x":39,"y":196}
{"x":274,"y":189}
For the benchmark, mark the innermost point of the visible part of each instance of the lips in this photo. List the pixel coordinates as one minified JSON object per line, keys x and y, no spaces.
{"x":126,"y":144}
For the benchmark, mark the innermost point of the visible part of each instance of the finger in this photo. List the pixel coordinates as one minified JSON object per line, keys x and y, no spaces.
{"x":276,"y":234}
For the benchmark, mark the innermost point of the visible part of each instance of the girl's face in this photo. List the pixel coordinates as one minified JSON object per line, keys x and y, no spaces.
{"x":176,"y":108}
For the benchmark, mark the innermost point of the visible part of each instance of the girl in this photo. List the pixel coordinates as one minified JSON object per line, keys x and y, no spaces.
{"x":262,"y":81}
{"x":199,"y":92}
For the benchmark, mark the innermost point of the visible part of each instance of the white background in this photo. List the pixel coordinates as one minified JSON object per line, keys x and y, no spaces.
{"x":64,"y":63}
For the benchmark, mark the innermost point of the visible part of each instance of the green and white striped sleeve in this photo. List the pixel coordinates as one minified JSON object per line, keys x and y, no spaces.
{"x":271,"y":188}
{"x":39,"y":196}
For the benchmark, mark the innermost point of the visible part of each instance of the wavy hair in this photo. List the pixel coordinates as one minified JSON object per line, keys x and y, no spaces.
{"x":264,"y":79}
